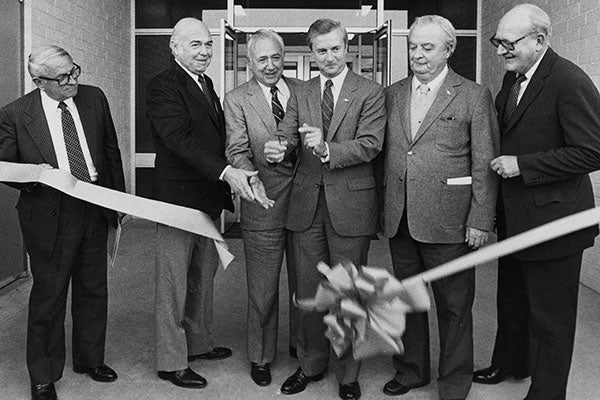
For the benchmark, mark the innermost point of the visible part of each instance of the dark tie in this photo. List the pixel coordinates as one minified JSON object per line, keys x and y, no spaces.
{"x":513,"y":96}
{"x":206,"y":90}
{"x":74,"y":153}
{"x":327,"y":106}
{"x":276,"y":106}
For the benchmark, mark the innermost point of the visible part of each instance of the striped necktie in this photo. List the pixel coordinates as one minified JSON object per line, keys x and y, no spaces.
{"x":77,"y":163}
{"x":327,"y":106}
{"x":206,"y":90}
{"x":276,"y":106}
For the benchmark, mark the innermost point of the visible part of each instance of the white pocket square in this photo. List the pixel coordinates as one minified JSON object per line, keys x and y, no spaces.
{"x":463,"y":180}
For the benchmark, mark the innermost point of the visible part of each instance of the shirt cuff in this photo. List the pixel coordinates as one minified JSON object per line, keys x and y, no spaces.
{"x":223,"y":173}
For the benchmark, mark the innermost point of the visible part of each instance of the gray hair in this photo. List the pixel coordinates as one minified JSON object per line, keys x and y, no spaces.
{"x":264,"y":34}
{"x":182,"y":27}
{"x":38,"y":60}
{"x":538,"y":18}
{"x":443,"y":23}
{"x":322,"y":27}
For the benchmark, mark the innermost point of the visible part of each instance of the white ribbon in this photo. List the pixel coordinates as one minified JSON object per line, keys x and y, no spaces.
{"x":183,"y":218}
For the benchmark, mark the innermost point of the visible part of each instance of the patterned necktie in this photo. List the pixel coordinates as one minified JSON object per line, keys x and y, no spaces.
{"x":276,"y":106}
{"x":77,"y":163}
{"x":327,"y":106}
{"x":206,"y":90}
{"x":513,"y":96}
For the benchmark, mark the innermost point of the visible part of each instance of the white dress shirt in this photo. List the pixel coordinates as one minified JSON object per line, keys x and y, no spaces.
{"x":53,"y":117}
{"x":283,"y":92}
{"x":528,"y":75}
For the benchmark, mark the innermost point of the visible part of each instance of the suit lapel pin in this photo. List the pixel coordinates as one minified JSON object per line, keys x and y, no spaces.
{"x":447,"y":91}
{"x":346,"y":100}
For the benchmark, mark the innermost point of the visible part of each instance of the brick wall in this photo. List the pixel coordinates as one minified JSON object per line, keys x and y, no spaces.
{"x":575,"y":35}
{"x":97,"y":35}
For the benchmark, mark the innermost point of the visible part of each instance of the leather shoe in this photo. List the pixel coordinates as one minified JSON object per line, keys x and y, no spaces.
{"x":492,"y":375}
{"x":395,"y":388}
{"x":43,"y":391}
{"x":218,"y":353}
{"x":101,"y":373}
{"x":261,"y":374}
{"x":298,"y":381}
{"x":185,"y":378}
{"x":350,"y":391}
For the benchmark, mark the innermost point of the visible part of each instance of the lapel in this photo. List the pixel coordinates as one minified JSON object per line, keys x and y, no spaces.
{"x":402,"y":99}
{"x":445,"y":95}
{"x":533,"y":89}
{"x":507,"y":82}
{"x":86,"y":114}
{"x":314,"y":103}
{"x":194,"y":90}
{"x":258,"y":101}
{"x":343,"y":103}
{"x":37,"y":127}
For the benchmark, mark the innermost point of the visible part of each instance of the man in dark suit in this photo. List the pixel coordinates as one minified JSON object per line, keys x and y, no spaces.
{"x":63,"y":125}
{"x":439,"y":197}
{"x":337,"y":122}
{"x":549,"y":114}
{"x":252,"y":113}
{"x":190,"y":170}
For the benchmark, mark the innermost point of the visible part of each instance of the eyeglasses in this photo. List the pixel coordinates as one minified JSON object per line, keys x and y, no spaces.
{"x":63,"y":79}
{"x":509,"y":46}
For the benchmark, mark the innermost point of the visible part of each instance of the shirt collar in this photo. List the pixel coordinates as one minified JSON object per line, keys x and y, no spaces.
{"x":535,"y":66}
{"x":282,"y":87}
{"x":435,"y":84}
{"x":190,"y":73}
{"x":50,"y":104}
{"x":337,"y":80}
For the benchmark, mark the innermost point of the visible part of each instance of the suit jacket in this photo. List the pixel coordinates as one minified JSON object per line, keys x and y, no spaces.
{"x":250,"y":123}
{"x":355,"y":137}
{"x":25,"y":138}
{"x":458,"y":138}
{"x":189,"y":137}
{"x":555,"y":134}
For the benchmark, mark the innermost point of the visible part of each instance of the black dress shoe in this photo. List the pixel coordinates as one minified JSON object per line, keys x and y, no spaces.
{"x":218,"y":353}
{"x":395,"y":388}
{"x":492,"y":375}
{"x":44,"y":391}
{"x":298,"y":381}
{"x":293,"y":352}
{"x":350,"y":391}
{"x":261,"y":374}
{"x":101,"y":373}
{"x":185,"y":378}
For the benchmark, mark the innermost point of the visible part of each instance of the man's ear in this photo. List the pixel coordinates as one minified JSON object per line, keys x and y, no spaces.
{"x":38,"y":82}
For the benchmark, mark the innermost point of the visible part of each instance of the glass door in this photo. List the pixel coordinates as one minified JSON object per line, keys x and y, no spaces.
{"x":382,"y":54}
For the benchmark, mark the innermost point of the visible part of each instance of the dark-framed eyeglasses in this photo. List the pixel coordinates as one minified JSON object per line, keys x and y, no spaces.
{"x":509,"y":46}
{"x":63,"y":79}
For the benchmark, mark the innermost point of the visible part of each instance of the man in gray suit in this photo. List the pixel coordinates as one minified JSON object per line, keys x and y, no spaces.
{"x":337,"y":122}
{"x":439,"y":196}
{"x":252,"y":113}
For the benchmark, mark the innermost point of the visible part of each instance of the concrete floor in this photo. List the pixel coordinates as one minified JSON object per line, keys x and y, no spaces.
{"x":130,"y":341}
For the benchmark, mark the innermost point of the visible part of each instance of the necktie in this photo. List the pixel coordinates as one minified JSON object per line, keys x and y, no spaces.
{"x":513,"y":96}
{"x":276,"y":106}
{"x":74,"y":153}
{"x":420,"y":105}
{"x":327,"y":106}
{"x":206,"y":90}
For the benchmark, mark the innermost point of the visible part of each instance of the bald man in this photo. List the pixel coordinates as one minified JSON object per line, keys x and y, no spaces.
{"x":190,"y":170}
{"x":549,"y":115}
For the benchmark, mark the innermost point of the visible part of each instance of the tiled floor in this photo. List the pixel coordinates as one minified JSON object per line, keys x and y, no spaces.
{"x":130,"y":340}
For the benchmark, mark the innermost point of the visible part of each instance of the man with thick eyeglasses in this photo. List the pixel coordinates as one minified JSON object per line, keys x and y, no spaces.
{"x":549,"y":115}
{"x":64,"y":125}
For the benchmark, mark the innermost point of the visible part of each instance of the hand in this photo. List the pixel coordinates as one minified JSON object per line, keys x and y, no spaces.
{"x":476,"y":238}
{"x":506,"y":166}
{"x":260,"y":194}
{"x":313,"y":139}
{"x":238,"y":181}
{"x":275,"y":150}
